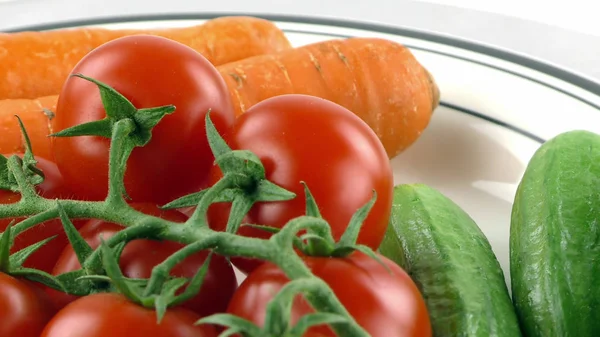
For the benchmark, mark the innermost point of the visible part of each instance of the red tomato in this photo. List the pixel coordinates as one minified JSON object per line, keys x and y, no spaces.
{"x":384,"y":303}
{"x":305,"y":138}
{"x":52,"y":187}
{"x":150,"y":71}
{"x":103,"y":315}
{"x":140,"y":256}
{"x":24,"y":308}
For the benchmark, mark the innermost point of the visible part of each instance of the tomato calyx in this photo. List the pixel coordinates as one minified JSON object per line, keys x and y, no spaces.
{"x":277,"y":322}
{"x":243,"y":184}
{"x":317,"y":241}
{"x":118,"y":108}
{"x":126,"y":126}
{"x":20,"y":174}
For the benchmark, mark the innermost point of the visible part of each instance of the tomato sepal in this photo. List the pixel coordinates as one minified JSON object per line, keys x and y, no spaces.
{"x":13,"y":264}
{"x":317,"y":242}
{"x":350,"y":236}
{"x":100,"y":128}
{"x":35,"y":175}
{"x":117,"y":108}
{"x":193,"y":199}
{"x":159,"y":285}
{"x":80,"y":246}
{"x":163,"y":301}
{"x":118,"y":280}
{"x":38,"y":276}
{"x":195,"y":283}
{"x":19,"y":257}
{"x":234,"y":324}
{"x":217,"y":144}
{"x":21,"y":174}
{"x":5,"y":244}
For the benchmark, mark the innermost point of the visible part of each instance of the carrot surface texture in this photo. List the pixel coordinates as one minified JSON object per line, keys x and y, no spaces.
{"x":379,"y":80}
{"x":36,"y":116}
{"x":36,"y":64}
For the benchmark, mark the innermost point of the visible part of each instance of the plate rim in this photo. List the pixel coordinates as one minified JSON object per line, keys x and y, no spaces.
{"x":566,"y":75}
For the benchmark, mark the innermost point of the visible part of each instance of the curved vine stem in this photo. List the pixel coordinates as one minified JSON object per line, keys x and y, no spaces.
{"x":121,"y":147}
{"x":198,"y":218}
{"x":160,"y":272}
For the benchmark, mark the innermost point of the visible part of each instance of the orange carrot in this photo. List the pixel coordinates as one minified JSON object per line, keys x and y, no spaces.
{"x":35,"y":115}
{"x":378,"y":80}
{"x":35,"y":64}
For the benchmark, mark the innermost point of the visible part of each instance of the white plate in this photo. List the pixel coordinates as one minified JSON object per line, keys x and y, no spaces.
{"x":497,"y":107}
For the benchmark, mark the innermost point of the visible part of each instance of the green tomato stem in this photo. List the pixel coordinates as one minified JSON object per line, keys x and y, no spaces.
{"x":322,"y":297}
{"x":140,"y":227}
{"x":121,"y":147}
{"x":161,"y":272}
{"x":34,"y":220}
{"x":27,"y":190}
{"x":240,"y":206}
{"x":278,"y":308}
{"x":286,"y":236}
{"x":198,"y":218}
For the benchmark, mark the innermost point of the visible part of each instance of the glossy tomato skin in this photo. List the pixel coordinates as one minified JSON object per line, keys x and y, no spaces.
{"x":383,"y":303}
{"x":140,"y":256}
{"x":150,"y":71}
{"x":24,"y":308}
{"x":304,"y":138}
{"x":52,"y":187}
{"x":103,"y":315}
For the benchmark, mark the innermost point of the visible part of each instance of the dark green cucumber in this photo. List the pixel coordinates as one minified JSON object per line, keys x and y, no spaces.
{"x":452,"y":263}
{"x":555,"y":239}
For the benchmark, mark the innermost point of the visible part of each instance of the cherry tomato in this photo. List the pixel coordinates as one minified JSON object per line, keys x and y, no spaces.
{"x":24,"y":308}
{"x":150,"y":71}
{"x":52,"y":187}
{"x":140,"y":256}
{"x":102,"y":315}
{"x":305,"y":138}
{"x":385,"y":303}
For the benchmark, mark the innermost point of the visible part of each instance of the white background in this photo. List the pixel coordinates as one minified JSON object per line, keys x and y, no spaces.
{"x":577,"y":15}
{"x":565,"y":32}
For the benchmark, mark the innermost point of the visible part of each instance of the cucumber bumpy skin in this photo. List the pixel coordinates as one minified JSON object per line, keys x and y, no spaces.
{"x":555,"y":239}
{"x":452,"y":263}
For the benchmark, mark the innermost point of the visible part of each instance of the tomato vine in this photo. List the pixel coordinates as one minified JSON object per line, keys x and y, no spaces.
{"x":243,"y":184}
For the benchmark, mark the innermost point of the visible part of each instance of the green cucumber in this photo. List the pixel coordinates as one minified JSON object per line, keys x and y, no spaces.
{"x":555,"y":239}
{"x":452,"y":263}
